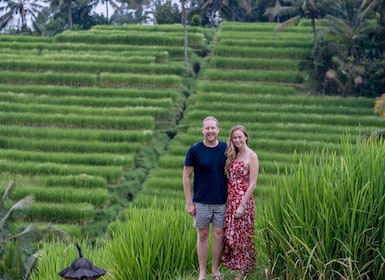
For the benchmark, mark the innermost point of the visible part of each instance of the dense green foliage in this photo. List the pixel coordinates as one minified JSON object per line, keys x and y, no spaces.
{"x":325,"y":221}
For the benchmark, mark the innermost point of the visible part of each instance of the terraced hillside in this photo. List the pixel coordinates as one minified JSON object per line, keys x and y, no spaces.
{"x":83,"y":116}
{"x":252,"y":77}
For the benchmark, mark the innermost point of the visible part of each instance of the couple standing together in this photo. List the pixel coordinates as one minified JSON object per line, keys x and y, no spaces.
{"x":218,"y":181}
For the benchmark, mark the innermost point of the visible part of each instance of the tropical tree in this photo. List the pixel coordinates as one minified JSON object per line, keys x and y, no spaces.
{"x":347,"y":33}
{"x":22,"y":15}
{"x":18,"y":250}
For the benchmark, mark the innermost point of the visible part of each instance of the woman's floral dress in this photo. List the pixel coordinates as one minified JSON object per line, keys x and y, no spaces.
{"x":239,"y":247}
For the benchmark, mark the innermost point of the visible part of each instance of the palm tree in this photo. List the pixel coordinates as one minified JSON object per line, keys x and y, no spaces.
{"x":19,"y":14}
{"x":185,"y":43}
{"x":296,"y":9}
{"x":347,"y":28}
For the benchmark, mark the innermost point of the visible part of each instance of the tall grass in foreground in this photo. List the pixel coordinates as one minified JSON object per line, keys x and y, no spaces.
{"x":326,"y":221}
{"x":144,"y":243}
{"x":150,"y":244}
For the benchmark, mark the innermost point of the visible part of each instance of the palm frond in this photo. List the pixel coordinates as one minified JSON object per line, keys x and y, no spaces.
{"x":29,"y":230}
{"x":20,"y":205}
{"x":35,"y":231}
{"x":338,"y":26}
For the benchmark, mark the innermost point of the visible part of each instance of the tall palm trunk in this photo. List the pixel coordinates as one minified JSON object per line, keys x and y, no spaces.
{"x":69,"y":13}
{"x":185,"y":35}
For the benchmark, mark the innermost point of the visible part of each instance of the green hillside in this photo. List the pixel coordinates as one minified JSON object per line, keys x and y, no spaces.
{"x":89,"y":118}
{"x":84,"y":116}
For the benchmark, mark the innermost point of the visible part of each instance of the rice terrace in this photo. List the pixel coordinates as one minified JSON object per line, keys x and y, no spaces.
{"x":95,"y":124}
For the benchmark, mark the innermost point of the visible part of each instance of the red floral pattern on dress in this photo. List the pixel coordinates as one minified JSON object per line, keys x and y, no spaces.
{"x":239,"y":250}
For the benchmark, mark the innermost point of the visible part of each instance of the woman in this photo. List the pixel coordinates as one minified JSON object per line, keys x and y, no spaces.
{"x":242,"y":169}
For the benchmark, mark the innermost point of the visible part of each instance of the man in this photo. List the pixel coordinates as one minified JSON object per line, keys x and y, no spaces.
{"x":206,"y":196}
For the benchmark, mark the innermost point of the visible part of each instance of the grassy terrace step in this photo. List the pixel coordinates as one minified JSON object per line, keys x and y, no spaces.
{"x":163,"y":184}
{"x":262,"y":27}
{"x":37,"y":65}
{"x":75,"y":134}
{"x":96,"y":196}
{"x":10,"y":77}
{"x":67,"y":145}
{"x":129,"y":38}
{"x":302,"y":40}
{"x":95,"y":102}
{"x":91,"y":80}
{"x":91,"y":91}
{"x":98,"y":159}
{"x":154,"y":82}
{"x":75,"y":213}
{"x":33,"y":168}
{"x":268,"y":105}
{"x":355,"y":104}
{"x":261,"y":52}
{"x":275,"y":76}
{"x":73,"y":121}
{"x":104,"y":57}
{"x":243,"y":88}
{"x":273,"y":40}
{"x":51,"y":181}
{"x":25,"y":39}
{"x":174,"y":52}
{"x":137,"y":111}
{"x":253,"y":64}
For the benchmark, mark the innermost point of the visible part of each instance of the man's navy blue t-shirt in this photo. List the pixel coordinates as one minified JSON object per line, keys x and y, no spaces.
{"x":210,"y":182}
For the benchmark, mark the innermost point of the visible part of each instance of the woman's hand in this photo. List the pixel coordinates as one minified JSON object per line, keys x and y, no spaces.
{"x":240,"y":211}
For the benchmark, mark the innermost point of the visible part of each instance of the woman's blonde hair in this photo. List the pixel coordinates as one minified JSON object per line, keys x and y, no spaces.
{"x":231,"y":151}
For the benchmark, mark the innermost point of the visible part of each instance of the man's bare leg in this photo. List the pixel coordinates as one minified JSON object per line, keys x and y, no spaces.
{"x":217,"y":250}
{"x":202,"y":250}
